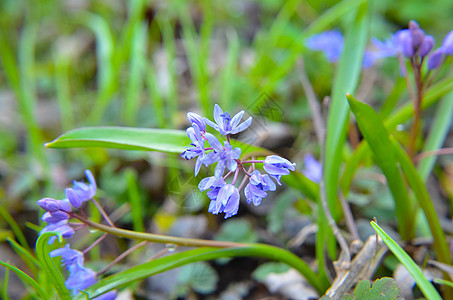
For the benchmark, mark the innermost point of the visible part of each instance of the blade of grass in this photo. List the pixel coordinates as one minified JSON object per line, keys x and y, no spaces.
{"x":27,"y":280}
{"x":134,"y":198}
{"x":392,"y":99}
{"x":425,"y":286}
{"x":377,"y":137}
{"x":14,"y":227}
{"x":437,"y":134}
{"x":26,"y":256}
{"x":63,"y":93}
{"x":48,"y":266}
{"x":228,"y":73}
{"x":136,"y":71}
{"x":425,"y":202}
{"x":346,"y":79}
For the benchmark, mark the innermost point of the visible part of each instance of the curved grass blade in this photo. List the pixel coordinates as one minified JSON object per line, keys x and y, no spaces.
{"x":346,"y":79}
{"x":26,"y":279}
{"x":424,"y":200}
{"x":48,"y":266}
{"x":201,"y":254}
{"x":26,"y":256}
{"x":378,"y":139}
{"x":425,"y":286}
{"x":14,"y":227}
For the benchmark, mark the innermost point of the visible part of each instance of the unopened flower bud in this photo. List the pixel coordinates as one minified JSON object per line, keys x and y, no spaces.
{"x":416,"y":33}
{"x":52,"y":205}
{"x":405,"y":41}
{"x":426,"y":46}
{"x":435,"y":59}
{"x":447,"y":44}
{"x":197,"y":119}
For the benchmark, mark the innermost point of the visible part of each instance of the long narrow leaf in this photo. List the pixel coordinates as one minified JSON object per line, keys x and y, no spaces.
{"x":206,"y":253}
{"x":377,"y":137}
{"x":26,"y":279}
{"x":424,"y":200}
{"x":425,"y":286}
{"x":48,"y":266}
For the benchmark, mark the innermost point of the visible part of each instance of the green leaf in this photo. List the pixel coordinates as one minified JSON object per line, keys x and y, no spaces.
{"x":26,"y":256}
{"x":265,"y":269}
{"x":132,"y":138}
{"x":424,"y":200}
{"x":48,"y":266}
{"x":199,"y":276}
{"x":346,"y":79}
{"x":425,"y":286}
{"x":237,"y":230}
{"x":201,"y":254}
{"x":377,"y":137}
{"x":382,"y":289}
{"x":26,"y":279}
{"x":127,"y":138}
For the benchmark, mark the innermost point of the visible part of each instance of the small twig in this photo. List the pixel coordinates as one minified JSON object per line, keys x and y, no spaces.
{"x":103,"y":213}
{"x":350,"y":223}
{"x":159,"y":254}
{"x":425,"y":154}
{"x":121,"y":256}
{"x":95,"y":243}
{"x":313,"y":102}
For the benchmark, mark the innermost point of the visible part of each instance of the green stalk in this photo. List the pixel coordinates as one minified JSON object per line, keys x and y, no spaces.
{"x":232,"y":249}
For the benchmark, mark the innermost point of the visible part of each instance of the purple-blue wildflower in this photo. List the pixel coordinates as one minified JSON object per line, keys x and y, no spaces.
{"x":52,"y":205}
{"x":227,"y":125}
{"x":258,"y":185}
{"x":329,"y":42}
{"x":196,"y":119}
{"x":313,"y":169}
{"x":197,"y":148}
{"x":223,"y":155}
{"x":277,"y":166}
{"x":82,"y":192}
{"x":54,"y":216}
{"x":435,"y":59}
{"x":225,"y":196}
{"x":80,"y":277}
{"x":61,"y":227}
{"x":227,"y":201}
{"x":447,"y":44}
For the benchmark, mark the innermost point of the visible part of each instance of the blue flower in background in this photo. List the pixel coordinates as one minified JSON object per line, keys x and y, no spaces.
{"x":329,"y":42}
{"x":197,"y":149}
{"x":224,"y":156}
{"x":62,"y":227}
{"x":227,"y":125}
{"x":82,"y":192}
{"x":258,"y":185}
{"x":447,"y":44}
{"x":277,"y":166}
{"x":313,"y":169}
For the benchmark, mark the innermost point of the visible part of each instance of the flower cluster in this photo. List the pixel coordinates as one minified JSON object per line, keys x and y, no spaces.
{"x":225,"y":197}
{"x":57,"y":215}
{"x":414,"y":44}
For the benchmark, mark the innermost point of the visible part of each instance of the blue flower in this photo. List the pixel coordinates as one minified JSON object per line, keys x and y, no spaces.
{"x":197,"y":148}
{"x":277,"y":166}
{"x":313,"y":169}
{"x":54,"y":216}
{"x":62,"y":227}
{"x":81,"y":192}
{"x":224,"y":156}
{"x":435,"y":59}
{"x":213,"y":184}
{"x":52,"y":205}
{"x":69,"y":256}
{"x":447,"y":44}
{"x":329,"y":42}
{"x":227,"y":201}
{"x":258,"y":185}
{"x":227,"y":125}
{"x":196,"y":119}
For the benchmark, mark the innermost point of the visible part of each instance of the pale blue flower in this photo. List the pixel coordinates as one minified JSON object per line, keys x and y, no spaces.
{"x":52,"y":205}
{"x":82,"y":192}
{"x":435,"y":59}
{"x":61,"y":227}
{"x":258,"y":185}
{"x":227,"y":125}
{"x":196,"y":119}
{"x":329,"y":42}
{"x":223,"y":155}
{"x":227,"y":201}
{"x":313,"y":169}
{"x":197,"y":149}
{"x":213,"y":184}
{"x":447,"y":44}
{"x":277,"y":166}
{"x":54,"y":216}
